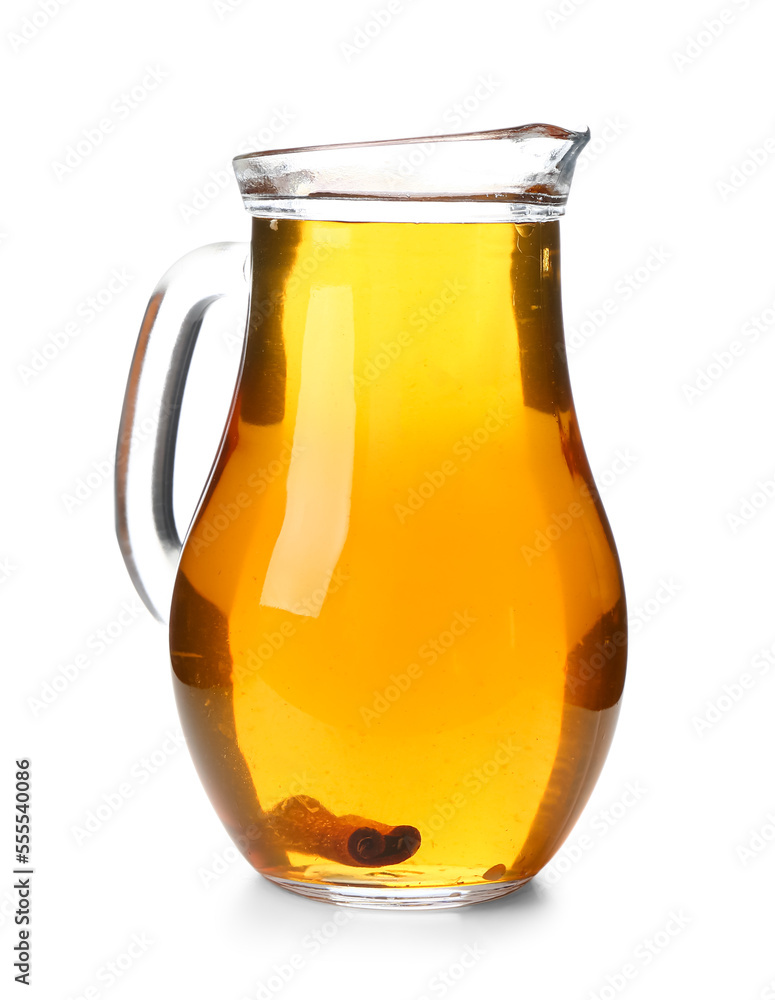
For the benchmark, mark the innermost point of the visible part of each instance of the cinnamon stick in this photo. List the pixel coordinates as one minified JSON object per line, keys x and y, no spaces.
{"x":301,"y":823}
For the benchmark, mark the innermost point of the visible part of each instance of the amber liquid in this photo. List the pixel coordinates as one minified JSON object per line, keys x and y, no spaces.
{"x":400,"y":601}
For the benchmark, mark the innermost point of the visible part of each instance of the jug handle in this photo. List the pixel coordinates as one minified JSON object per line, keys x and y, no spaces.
{"x":145,"y":521}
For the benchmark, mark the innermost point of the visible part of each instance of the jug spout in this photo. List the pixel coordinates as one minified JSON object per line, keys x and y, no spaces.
{"x":520,"y":174}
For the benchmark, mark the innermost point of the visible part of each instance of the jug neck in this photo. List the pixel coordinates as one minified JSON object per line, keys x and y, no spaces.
{"x":520,"y":174}
{"x":414,"y":316}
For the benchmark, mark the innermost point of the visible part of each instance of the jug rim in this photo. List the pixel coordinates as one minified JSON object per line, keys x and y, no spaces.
{"x":516,"y":174}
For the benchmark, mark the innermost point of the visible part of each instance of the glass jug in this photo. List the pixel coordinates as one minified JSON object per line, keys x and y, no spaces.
{"x":397,"y":621}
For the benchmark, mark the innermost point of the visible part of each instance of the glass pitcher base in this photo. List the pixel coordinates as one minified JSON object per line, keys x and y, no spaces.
{"x":399,"y":898}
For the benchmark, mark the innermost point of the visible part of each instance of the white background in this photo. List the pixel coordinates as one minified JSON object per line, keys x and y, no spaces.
{"x":672,"y":133}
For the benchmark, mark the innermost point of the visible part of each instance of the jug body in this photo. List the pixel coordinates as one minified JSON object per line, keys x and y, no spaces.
{"x":399,"y":606}
{"x":397,"y":622}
